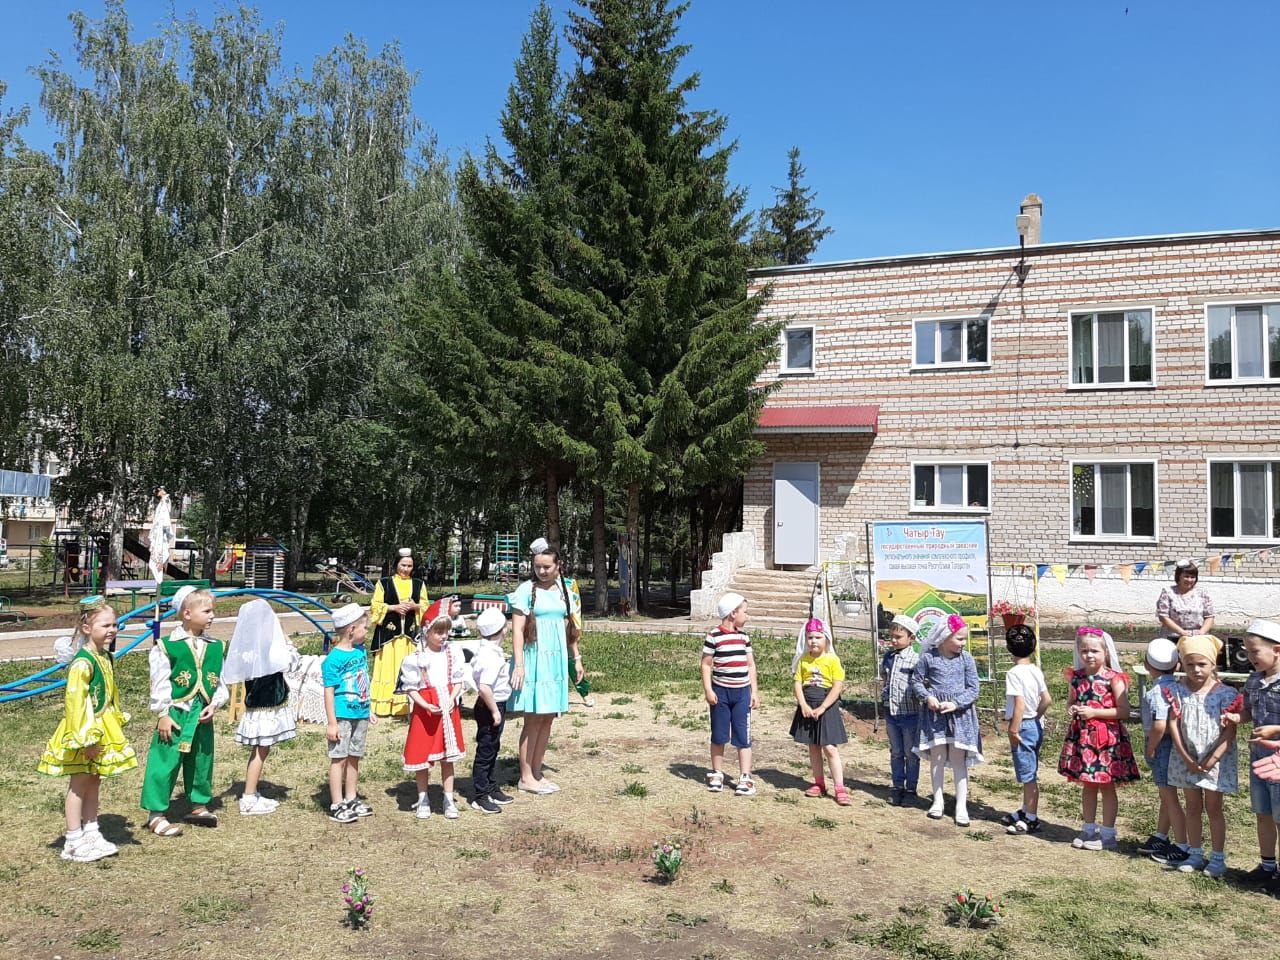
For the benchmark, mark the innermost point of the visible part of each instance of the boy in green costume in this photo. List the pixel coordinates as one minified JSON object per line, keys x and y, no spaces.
{"x":186,"y":688}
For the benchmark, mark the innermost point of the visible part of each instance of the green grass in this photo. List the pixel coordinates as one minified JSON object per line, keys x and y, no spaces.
{"x":635,"y":789}
{"x":99,"y":940}
{"x":213,"y":909}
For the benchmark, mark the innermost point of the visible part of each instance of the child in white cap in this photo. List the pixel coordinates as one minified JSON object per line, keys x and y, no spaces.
{"x":346,"y":705}
{"x":1262,"y":709}
{"x":1162,"y":661}
{"x":492,"y":675}
{"x":729,"y":684}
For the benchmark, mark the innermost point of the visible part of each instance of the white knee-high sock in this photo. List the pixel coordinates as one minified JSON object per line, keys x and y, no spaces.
{"x":937,"y":769}
{"x":960,"y":774}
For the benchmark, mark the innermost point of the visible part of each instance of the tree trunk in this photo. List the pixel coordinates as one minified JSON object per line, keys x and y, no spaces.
{"x":644,"y":562}
{"x":300,"y":508}
{"x":212,"y":534}
{"x":553,"y":506}
{"x":633,"y":545}
{"x":115,"y":521}
{"x":464,"y":547}
{"x":600,"y":549}
{"x":694,"y":569}
{"x":486,"y":555}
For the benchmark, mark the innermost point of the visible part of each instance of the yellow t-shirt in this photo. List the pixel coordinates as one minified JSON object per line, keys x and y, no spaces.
{"x":823,"y":670}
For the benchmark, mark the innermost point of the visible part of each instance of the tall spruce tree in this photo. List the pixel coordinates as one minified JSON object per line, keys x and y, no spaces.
{"x":667,"y":264}
{"x":789,"y":232}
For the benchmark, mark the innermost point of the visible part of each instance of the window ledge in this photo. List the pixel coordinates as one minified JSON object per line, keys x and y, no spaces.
{"x":944,"y":367}
{"x":1255,"y":543}
{"x":1106,"y":541}
{"x":961,"y":510}
{"x":1111,"y":386}
{"x":1256,"y":382}
{"x":796,"y":373}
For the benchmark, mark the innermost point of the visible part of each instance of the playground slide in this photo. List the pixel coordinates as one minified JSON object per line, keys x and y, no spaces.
{"x":143,"y":553}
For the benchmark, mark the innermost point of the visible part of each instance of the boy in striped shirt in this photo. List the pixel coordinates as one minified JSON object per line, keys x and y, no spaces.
{"x":729,"y":684}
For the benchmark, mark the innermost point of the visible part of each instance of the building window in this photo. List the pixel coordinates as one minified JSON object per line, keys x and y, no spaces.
{"x":1244,"y":342}
{"x":1113,"y":501}
{"x":950,"y":343}
{"x":950,"y":486}
{"x":1111,"y":349}
{"x":797,"y":350}
{"x":1244,"y":500}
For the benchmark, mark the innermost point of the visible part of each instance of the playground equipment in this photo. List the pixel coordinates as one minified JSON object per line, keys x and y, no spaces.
{"x":344,"y":579}
{"x":264,"y":564}
{"x":141,"y":623}
{"x":506,"y":558}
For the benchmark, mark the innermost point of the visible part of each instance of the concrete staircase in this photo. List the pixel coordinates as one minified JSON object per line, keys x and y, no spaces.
{"x":775,"y":597}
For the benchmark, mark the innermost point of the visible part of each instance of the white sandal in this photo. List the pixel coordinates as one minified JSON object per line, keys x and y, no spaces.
{"x":161,"y":827}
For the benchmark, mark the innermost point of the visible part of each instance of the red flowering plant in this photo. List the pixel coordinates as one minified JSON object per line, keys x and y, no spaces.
{"x":968,"y":909}
{"x":357,"y":899}
{"x":1013,"y":609}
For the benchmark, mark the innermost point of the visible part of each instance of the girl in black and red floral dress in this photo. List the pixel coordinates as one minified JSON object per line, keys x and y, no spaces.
{"x":1096,"y":752}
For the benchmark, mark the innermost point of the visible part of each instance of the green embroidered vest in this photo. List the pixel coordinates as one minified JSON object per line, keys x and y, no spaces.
{"x":188,"y":677}
{"x":97,"y":682}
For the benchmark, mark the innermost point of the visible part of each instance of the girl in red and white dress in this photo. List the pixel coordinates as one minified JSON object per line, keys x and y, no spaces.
{"x":435,"y":678}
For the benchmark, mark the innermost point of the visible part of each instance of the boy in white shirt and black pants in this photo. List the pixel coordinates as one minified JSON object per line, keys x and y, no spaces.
{"x":492,"y":674}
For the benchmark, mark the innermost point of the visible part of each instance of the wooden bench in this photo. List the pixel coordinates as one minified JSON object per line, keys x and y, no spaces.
{"x":117,"y":588}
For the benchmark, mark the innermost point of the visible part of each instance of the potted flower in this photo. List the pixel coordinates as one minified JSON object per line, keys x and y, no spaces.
{"x":848,"y":603}
{"x":1012,"y":613}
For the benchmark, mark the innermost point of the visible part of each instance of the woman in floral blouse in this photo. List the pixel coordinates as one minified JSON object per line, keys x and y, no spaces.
{"x":1184,"y":610}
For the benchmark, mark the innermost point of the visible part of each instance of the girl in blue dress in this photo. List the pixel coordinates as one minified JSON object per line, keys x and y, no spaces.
{"x":545,"y":643}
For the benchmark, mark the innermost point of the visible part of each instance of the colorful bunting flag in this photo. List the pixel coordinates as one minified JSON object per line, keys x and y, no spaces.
{"x":1237,"y":560}
{"x":1126,"y":571}
{"x":1139,"y":567}
{"x":1215,"y":564}
{"x":1090,"y":571}
{"x":1041,"y":570}
{"x":1059,"y":571}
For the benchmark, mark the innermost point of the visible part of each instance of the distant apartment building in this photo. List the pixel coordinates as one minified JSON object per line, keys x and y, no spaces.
{"x":1101,"y":404}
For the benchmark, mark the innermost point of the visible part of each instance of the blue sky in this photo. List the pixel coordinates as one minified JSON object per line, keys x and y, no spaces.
{"x":922,"y":124}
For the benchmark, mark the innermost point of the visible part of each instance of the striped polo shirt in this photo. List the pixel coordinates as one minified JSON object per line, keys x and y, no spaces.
{"x":730,"y":654}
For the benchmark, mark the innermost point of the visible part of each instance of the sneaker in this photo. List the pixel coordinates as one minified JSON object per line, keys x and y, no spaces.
{"x":257,"y":806}
{"x":500,"y":798}
{"x":746,"y":787}
{"x":101,"y":843}
{"x":895,"y":797}
{"x":485,"y":804}
{"x":1109,"y":843}
{"x":450,"y":811}
{"x":1092,"y":841}
{"x":1032,"y":826}
{"x":81,"y":850}
{"x":715,"y":781}
{"x":1257,"y":877}
{"x":1017,"y":827}
{"x":1195,"y":863}
{"x":360,"y":808}
{"x":1152,"y":844}
{"x":1012,"y":819}
{"x":1215,"y":869}
{"x":422,"y":811}
{"x":342,"y":813}
{"x":1173,"y":856}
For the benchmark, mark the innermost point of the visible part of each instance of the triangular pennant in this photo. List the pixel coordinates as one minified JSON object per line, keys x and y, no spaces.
{"x":1072,"y":569}
{"x":1107,"y":568}
{"x":1090,"y":571}
{"x":1264,"y":555}
{"x":1126,"y":571}
{"x":1059,"y":571}
{"x":1215,"y":564}
{"x":1041,"y":570}
{"x":1237,"y":560}
{"x":1139,"y":567}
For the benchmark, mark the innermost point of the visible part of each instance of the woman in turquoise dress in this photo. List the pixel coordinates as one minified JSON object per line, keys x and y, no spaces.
{"x":542,"y":653}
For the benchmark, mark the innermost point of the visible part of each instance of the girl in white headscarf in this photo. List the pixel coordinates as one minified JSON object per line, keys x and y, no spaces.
{"x":259,"y":656}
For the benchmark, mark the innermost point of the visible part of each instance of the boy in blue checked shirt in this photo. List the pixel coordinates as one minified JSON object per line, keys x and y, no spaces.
{"x":1262,"y":709}
{"x":901,"y":709}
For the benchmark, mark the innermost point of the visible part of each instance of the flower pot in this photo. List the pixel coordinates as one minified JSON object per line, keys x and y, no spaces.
{"x":1013,"y":619}
{"x":850,"y":608}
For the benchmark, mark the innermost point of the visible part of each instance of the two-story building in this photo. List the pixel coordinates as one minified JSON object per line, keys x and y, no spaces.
{"x":1108,"y":405}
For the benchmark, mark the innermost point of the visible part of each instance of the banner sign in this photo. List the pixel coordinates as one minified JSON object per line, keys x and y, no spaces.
{"x":929,"y":570}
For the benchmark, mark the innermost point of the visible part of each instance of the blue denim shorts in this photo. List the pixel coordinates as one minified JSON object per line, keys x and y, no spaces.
{"x":731,"y":716}
{"x":1264,"y":797}
{"x":1159,"y":764}
{"x":1026,"y":756}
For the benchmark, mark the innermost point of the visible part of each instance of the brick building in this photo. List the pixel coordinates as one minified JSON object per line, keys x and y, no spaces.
{"x":1101,"y":403}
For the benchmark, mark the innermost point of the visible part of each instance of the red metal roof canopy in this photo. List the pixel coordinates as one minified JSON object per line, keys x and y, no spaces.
{"x":825,"y":419}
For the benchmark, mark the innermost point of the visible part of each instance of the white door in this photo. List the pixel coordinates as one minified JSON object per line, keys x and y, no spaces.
{"x":795,"y":514}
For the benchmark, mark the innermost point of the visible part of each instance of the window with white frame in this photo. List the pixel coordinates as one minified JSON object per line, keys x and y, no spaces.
{"x":1244,"y":342}
{"x":1244,"y":500}
{"x":950,"y":486}
{"x":1111,"y":348}
{"x":1113,"y":501}
{"x":797,"y":350}
{"x":950,"y":343}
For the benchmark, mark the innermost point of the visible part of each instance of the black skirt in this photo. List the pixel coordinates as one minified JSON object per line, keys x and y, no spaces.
{"x":827,"y":730}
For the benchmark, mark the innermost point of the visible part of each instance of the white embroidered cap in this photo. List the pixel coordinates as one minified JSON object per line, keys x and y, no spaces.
{"x":346,"y":616}
{"x":490,"y":622}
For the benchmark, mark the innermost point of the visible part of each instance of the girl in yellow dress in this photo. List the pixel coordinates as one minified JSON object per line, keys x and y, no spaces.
{"x":89,"y":743}
{"x":396,"y":614}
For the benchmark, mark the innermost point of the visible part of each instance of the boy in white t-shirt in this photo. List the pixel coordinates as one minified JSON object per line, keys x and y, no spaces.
{"x":492,"y":674}
{"x":1026,"y":700}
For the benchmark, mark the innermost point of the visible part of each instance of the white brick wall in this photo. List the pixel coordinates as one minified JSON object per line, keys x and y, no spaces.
{"x":1018,"y":413}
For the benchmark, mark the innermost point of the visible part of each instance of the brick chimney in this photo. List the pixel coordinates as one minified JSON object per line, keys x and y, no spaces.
{"x":1032,"y":209}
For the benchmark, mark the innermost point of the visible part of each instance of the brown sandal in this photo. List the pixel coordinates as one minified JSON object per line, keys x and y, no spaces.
{"x":161,"y":827}
{"x":205,"y":819}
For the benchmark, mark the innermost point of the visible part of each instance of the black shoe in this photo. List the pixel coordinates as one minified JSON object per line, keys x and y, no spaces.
{"x":1257,"y":877}
{"x":1171,"y":856}
{"x":342,"y":813}
{"x":1153,"y":844}
{"x":1032,"y":826}
{"x":895,"y":796}
{"x":500,"y":798}
{"x":1011,"y":819}
{"x":484,"y":803}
